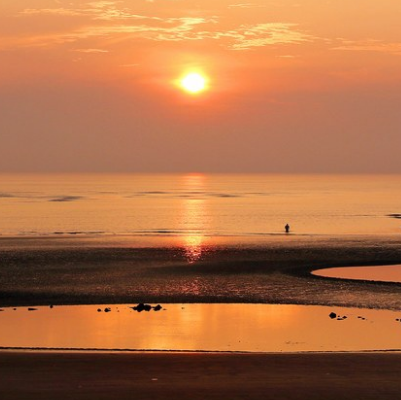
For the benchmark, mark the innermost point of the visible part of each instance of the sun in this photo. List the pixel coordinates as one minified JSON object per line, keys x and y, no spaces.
{"x":193,"y":82}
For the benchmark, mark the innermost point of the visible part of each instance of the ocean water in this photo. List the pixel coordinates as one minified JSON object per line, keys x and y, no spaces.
{"x":196,"y":206}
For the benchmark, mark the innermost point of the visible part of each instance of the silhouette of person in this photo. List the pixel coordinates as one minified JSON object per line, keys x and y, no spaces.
{"x":287,"y":228}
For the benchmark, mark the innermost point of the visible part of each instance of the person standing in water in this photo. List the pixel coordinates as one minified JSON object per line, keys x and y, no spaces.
{"x":287,"y":229}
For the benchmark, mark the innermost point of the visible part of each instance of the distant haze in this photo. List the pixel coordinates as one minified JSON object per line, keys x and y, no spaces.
{"x":306,"y":86}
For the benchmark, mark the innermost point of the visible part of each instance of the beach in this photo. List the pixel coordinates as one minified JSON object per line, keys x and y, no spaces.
{"x":242,"y":314}
{"x":49,"y":375}
{"x":59,"y":271}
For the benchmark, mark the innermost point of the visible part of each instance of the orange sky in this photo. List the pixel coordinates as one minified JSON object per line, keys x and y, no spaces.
{"x":294,"y":86}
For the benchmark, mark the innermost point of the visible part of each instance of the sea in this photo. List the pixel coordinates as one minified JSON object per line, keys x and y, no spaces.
{"x":194,"y":205}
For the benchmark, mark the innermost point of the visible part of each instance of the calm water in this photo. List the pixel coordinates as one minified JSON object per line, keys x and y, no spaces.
{"x":389,"y":273}
{"x":194,"y":206}
{"x":207,"y":327}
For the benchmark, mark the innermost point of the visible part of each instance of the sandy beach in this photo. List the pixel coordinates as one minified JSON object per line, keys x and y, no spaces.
{"x":54,"y":271}
{"x":48,"y":375}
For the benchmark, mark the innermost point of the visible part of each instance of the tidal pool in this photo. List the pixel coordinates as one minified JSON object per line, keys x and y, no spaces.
{"x":202,"y":327}
{"x":384,"y":273}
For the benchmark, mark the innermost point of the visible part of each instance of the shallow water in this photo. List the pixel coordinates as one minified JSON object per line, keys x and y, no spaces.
{"x":384,"y":273}
{"x":204,"y":327}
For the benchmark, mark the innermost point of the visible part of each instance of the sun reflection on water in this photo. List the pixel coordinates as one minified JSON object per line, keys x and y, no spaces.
{"x":193,"y":247}
{"x":194,"y":218}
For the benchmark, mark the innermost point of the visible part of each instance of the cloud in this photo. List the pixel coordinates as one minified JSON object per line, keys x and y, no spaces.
{"x":51,"y":11}
{"x":287,"y":56}
{"x":246,"y":5}
{"x":91,"y":50}
{"x":151,"y":28}
{"x":102,"y":10}
{"x":124,"y":25}
{"x":62,"y":199}
{"x":268,"y":34}
{"x":370,"y":45}
{"x":175,"y":30}
{"x":260,"y":35}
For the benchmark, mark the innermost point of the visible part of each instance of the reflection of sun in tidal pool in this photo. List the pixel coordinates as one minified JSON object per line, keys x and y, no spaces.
{"x":193,"y":83}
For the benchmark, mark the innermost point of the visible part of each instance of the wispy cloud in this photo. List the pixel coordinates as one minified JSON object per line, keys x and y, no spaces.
{"x":246,"y":5}
{"x":122,"y":24}
{"x":268,"y":34}
{"x":111,"y":20}
{"x":52,"y":11}
{"x":102,"y":10}
{"x":290,"y":56}
{"x":175,"y":30}
{"x":370,"y":45}
{"x":151,"y":28}
{"x":90,"y":50}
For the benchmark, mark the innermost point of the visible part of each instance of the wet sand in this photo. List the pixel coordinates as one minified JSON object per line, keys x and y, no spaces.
{"x":64,"y":271}
{"x":35,"y":375}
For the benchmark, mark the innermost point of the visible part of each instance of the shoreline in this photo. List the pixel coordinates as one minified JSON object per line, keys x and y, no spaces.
{"x":40,"y":350}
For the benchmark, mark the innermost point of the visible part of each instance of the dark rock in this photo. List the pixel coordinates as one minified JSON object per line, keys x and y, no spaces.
{"x":345,"y":317}
{"x":1,"y":309}
{"x":32,"y":309}
{"x":146,"y":307}
{"x":51,"y":305}
{"x":140,"y":307}
{"x":99,"y":310}
{"x":332,"y":315}
{"x":107,"y":309}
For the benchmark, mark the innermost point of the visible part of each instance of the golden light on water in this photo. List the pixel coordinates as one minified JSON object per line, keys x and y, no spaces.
{"x":193,"y":218}
{"x":194,"y":82}
{"x":208,"y":327}
{"x":193,"y":240}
